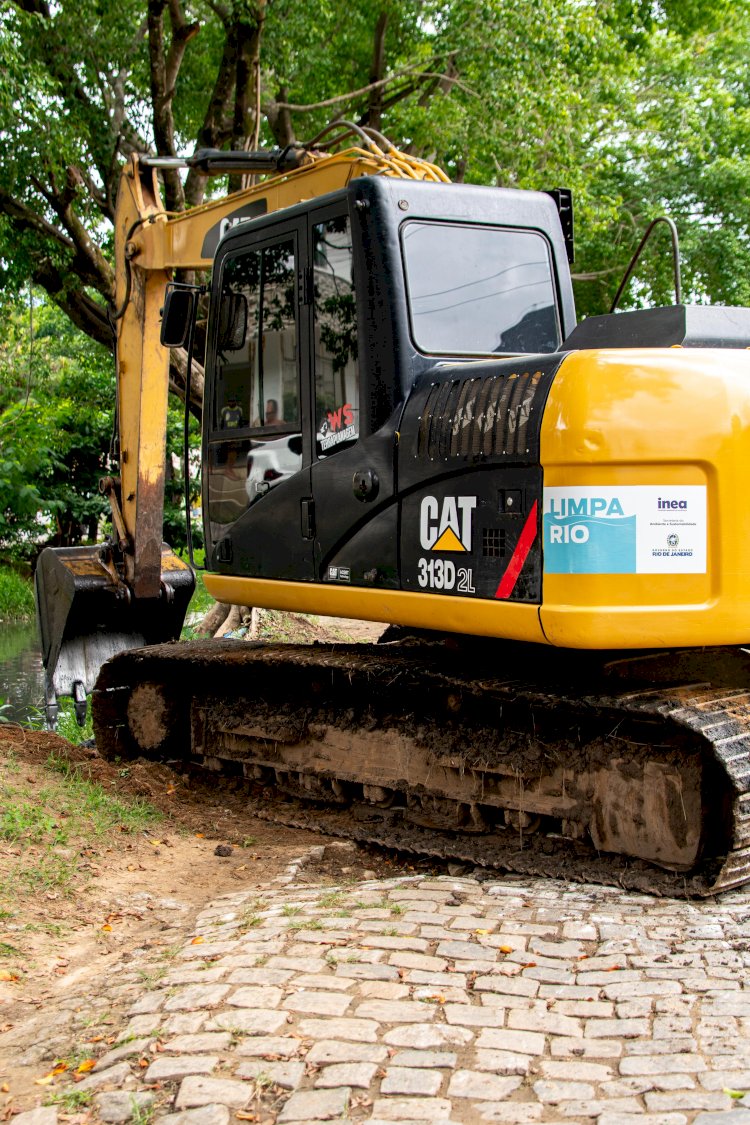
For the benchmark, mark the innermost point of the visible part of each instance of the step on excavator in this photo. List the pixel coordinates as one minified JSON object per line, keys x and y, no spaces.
{"x":403,"y":423}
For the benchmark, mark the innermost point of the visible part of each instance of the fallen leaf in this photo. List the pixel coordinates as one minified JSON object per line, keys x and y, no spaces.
{"x":46,"y":1081}
{"x":6,"y":974}
{"x":482,"y":931}
{"x":242,"y":1116}
{"x":737,"y":1094}
{"x":5,"y":1088}
{"x":197,"y":940}
{"x":529,"y":965}
{"x":170,"y":790}
{"x":85,"y":1066}
{"x":506,"y":948}
{"x":613,"y":969}
{"x":107,"y":927}
{"x":200,"y":835}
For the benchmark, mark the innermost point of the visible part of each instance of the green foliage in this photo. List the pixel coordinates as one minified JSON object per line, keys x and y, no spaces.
{"x":56,"y":417}
{"x":55,"y":430}
{"x":67,"y":724}
{"x":16,"y":596}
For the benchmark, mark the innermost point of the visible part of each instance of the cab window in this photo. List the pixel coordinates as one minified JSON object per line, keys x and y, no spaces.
{"x":477,"y":290}
{"x":257,"y":385}
{"x":335,"y":338}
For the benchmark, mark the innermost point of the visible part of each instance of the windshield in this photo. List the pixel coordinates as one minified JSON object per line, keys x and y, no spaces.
{"x":477,"y":290}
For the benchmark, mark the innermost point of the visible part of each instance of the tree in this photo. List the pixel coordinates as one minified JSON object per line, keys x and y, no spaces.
{"x":55,"y":431}
{"x":56,"y":420}
{"x":528,"y":93}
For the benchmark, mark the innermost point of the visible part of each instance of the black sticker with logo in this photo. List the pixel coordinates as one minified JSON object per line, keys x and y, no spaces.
{"x":215,"y":233}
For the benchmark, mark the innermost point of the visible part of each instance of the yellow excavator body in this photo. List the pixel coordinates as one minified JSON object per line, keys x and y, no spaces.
{"x":616,"y":424}
{"x":403,"y":423}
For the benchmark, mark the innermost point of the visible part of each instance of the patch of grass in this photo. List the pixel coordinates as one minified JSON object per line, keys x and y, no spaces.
{"x":74,"y":1058}
{"x":49,"y":825}
{"x":249,"y":923}
{"x":151,"y":977}
{"x":249,"y":842}
{"x":201,"y":601}
{"x":102,"y":811}
{"x":67,"y":724}
{"x":396,"y":908}
{"x":54,"y":929}
{"x":140,"y":1114}
{"x":24,"y":821}
{"x":70,"y":1100}
{"x":125,"y":1040}
{"x":306,"y":924}
{"x":169,"y":953}
{"x":333,"y":898}
{"x":289,"y":911}
{"x":8,"y":950}
{"x":16,"y":596}
{"x":50,"y":873}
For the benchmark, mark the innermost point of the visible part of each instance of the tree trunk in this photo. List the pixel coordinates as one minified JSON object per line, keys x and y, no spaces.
{"x":213,"y":620}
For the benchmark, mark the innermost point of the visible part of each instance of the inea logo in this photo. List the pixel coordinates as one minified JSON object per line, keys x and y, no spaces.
{"x":445,"y":525}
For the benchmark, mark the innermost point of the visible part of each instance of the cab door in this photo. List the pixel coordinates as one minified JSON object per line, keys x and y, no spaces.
{"x":356,"y":539}
{"x":257,"y":503}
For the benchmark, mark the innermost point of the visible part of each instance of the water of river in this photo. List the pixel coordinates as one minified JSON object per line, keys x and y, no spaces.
{"x":21,"y":677}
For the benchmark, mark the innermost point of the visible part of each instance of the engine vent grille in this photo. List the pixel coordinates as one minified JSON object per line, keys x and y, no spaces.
{"x":487,"y":416}
{"x":493,"y":542}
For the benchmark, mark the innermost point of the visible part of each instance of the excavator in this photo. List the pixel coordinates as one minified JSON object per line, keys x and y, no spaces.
{"x":403,"y":423}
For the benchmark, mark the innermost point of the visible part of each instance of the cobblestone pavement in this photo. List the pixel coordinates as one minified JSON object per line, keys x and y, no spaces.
{"x":441,"y":999}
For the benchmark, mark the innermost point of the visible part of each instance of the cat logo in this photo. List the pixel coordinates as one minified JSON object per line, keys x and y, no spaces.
{"x":445,"y":525}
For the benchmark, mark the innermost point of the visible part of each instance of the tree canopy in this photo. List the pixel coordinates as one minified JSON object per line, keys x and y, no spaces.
{"x":56,"y":420}
{"x":639,"y":106}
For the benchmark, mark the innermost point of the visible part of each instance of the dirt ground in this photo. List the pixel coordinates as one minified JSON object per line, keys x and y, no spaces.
{"x":52,"y":940}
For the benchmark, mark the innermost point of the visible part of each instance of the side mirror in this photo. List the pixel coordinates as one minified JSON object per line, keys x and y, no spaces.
{"x":178,"y":316}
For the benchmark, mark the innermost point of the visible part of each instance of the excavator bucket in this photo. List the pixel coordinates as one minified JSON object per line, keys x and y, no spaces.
{"x":86,"y":614}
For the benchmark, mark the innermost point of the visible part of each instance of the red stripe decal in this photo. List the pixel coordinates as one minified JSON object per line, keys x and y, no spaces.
{"x":519,"y":556}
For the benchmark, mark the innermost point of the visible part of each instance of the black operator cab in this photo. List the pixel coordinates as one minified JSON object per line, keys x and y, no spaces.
{"x":331,"y":325}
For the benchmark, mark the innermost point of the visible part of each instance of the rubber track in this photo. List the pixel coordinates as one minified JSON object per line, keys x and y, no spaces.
{"x":702,"y":714}
{"x":719,"y":717}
